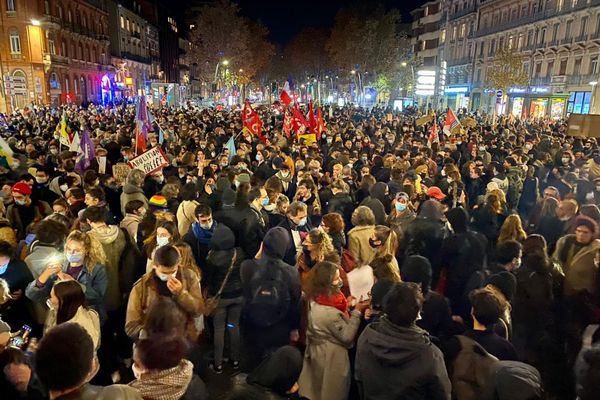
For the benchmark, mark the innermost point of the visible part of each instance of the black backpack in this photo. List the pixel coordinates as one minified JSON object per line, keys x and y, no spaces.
{"x":270,"y":296}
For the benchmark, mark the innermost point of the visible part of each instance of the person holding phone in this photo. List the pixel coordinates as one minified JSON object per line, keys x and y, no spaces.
{"x":84,"y":263}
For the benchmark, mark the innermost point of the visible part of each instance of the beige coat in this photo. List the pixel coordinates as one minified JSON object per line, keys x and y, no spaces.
{"x":580,"y":272}
{"x":326,"y":368}
{"x":145,"y":293}
{"x":186,"y":216}
{"x":358,"y":244}
{"x":88,"y":319}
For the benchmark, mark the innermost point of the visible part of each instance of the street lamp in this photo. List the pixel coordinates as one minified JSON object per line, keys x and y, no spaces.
{"x":35,"y":22}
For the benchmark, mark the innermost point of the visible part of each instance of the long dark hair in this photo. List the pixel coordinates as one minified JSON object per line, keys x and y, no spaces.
{"x":70,"y":297}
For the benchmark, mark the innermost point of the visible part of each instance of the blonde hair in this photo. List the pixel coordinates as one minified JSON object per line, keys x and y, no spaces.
{"x":186,"y":258}
{"x":512,"y":229}
{"x":389,"y":241}
{"x":323,"y":244}
{"x":94,"y":253}
{"x":4,"y":292}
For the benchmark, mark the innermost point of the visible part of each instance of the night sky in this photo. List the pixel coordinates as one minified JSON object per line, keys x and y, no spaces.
{"x":285,"y":18}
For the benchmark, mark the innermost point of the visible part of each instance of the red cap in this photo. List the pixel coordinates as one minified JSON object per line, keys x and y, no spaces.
{"x":23,"y":188}
{"x":436,"y":193}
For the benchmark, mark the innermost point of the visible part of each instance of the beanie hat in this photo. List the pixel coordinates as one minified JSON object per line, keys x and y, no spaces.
{"x":22,"y":188}
{"x":158,"y":202}
{"x":276,"y":242}
{"x":243,"y":178}
{"x":505,"y":282}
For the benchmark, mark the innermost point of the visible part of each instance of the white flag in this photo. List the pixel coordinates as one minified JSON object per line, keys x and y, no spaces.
{"x":76,"y":143}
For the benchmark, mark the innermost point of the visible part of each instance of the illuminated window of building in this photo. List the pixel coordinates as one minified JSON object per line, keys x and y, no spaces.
{"x":51,"y":48}
{"x":69,"y":16}
{"x":443,"y":36}
{"x":122,"y":22}
{"x":594,"y":65}
{"x":47,"y":7}
{"x":10,"y":5}
{"x":54,"y":82}
{"x":60,"y":12}
{"x":15,"y":41}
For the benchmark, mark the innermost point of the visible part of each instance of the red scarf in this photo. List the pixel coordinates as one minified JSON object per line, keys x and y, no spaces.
{"x":337,"y":300}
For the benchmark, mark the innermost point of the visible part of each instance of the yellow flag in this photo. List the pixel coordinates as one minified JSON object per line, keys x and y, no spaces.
{"x":6,"y":152}
{"x":423,"y":120}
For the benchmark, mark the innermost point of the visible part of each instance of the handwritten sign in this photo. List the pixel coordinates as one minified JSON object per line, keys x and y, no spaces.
{"x":150,"y":161}
{"x":120,"y":172}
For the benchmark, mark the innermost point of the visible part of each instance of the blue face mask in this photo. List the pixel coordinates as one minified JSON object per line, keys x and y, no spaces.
{"x":75,"y":258}
{"x":161,"y":241}
{"x":302,"y":222}
{"x":20,"y":202}
{"x":3,"y":268}
{"x":258,"y":157}
{"x":400,"y":207}
{"x":266,"y":201}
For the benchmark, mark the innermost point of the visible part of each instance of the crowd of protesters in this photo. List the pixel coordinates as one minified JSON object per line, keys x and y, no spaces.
{"x":372,"y":263}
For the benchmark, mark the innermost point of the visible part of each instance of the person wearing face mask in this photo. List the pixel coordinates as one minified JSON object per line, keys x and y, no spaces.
{"x":41,"y":188}
{"x":134,"y":213}
{"x":288,"y":180}
{"x":332,"y":329}
{"x":166,"y":233}
{"x":165,"y":279}
{"x":154,"y":183}
{"x":254,"y":222}
{"x":402,"y":213}
{"x":297,"y":226}
{"x":263,"y":169}
{"x":67,"y":305}
{"x":198,"y":237}
{"x":83,"y":262}
{"x":17,"y":276}
{"x":25,"y":211}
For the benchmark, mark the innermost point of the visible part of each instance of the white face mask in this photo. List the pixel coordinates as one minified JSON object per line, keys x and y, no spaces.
{"x":64,"y":187}
{"x":162,"y":241}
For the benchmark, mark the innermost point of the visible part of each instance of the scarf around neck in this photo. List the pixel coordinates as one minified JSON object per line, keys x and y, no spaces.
{"x":203,"y":235}
{"x":336,"y":300}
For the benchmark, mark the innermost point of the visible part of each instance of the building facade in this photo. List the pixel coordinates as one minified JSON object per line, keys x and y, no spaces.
{"x":430,"y":73}
{"x":52,"y":52}
{"x":129,"y":48}
{"x":558,"y":40}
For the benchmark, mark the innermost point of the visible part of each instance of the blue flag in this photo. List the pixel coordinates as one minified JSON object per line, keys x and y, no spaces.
{"x":230,"y":145}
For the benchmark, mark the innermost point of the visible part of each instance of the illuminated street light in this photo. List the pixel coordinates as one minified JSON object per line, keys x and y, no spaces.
{"x":404,"y":64}
{"x":225,"y":62}
{"x":353,"y":72}
{"x":241,"y":70}
{"x":593,"y":83}
{"x":35,"y":22}
{"x":302,"y":86}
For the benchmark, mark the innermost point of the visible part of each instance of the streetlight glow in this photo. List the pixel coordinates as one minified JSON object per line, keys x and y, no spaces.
{"x":593,"y":83}
{"x":35,"y":22}
{"x":353,"y":72}
{"x":404,"y":64}
{"x":225,"y":62}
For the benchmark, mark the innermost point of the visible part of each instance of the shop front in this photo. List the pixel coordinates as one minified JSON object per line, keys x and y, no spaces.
{"x":457,"y":96}
{"x":537,"y":102}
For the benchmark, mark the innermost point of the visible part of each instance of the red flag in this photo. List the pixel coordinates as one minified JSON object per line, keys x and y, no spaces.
{"x":320,"y":123}
{"x":451,"y":122}
{"x":312,"y":122}
{"x":287,"y":123}
{"x":433,"y":134}
{"x":285,"y":98}
{"x":140,"y":142}
{"x":252,"y":121}
{"x":299,"y":123}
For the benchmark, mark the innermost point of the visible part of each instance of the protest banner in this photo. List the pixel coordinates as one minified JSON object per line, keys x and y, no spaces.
{"x":150,"y":161}
{"x":120,"y":172}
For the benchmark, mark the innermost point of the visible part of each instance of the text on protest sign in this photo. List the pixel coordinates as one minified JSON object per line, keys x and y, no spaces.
{"x":150,"y":161}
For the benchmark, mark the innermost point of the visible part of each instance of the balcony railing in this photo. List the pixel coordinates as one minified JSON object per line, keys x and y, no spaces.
{"x":553,"y":43}
{"x":540,"y":15}
{"x":460,"y":61}
{"x":566,"y":41}
{"x":463,"y":12}
{"x":581,"y":38}
{"x":540,"y":81}
{"x":135,"y":57}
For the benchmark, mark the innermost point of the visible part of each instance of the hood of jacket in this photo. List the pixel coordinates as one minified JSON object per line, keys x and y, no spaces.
{"x":106,"y":234}
{"x":222,"y":238}
{"x":131,"y":189}
{"x":395,"y":346}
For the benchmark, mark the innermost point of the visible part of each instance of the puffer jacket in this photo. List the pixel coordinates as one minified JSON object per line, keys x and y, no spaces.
{"x":218,"y":261}
{"x":145,"y":293}
{"x":131,"y":192}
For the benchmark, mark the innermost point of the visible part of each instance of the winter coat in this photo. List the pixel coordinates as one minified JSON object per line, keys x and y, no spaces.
{"x":394,"y":362}
{"x":358,"y":244}
{"x":186,"y":216}
{"x":255,"y":226}
{"x":94,"y":282}
{"x":326,"y":371}
{"x":218,"y":261}
{"x":87,"y":319}
{"x":113,"y":242}
{"x":145,"y":293}
{"x":131,"y":192}
{"x":199,"y":240}
{"x":580,"y":271}
{"x":41,"y":210}
{"x":377,"y":207}
{"x":112,"y":392}
{"x":131,"y":223}
{"x":551,"y":228}
{"x":424,"y":237}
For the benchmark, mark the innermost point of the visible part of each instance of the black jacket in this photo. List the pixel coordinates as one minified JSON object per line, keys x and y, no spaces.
{"x":199,"y":247}
{"x":218,"y":262}
{"x":255,"y":226}
{"x":342,"y":204}
{"x":290,"y":253}
{"x":399,"y":363}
